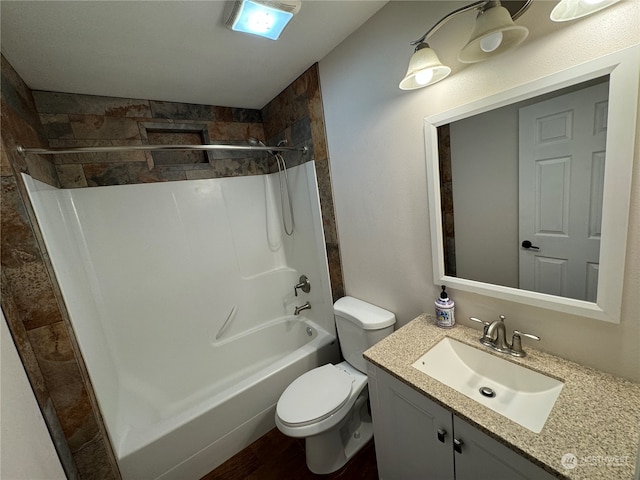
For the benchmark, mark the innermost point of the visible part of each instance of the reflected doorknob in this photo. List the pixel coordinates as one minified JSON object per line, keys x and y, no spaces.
{"x":529,"y":246}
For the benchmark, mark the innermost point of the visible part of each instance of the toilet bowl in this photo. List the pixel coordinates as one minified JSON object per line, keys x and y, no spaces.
{"x":305,"y":410}
{"x":328,"y":406}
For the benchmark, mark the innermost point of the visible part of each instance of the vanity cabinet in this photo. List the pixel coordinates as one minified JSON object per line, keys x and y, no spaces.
{"x":417,"y":438}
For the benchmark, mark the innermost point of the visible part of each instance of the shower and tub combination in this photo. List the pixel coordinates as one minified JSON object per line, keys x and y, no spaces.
{"x":187,"y":301}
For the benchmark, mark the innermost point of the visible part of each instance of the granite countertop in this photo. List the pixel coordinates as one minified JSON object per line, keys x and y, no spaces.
{"x":596,"y":417}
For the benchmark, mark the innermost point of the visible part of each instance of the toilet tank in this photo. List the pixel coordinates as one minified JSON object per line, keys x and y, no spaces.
{"x":360,"y":325}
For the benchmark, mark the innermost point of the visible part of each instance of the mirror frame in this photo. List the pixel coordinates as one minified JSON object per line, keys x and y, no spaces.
{"x":623,"y":68}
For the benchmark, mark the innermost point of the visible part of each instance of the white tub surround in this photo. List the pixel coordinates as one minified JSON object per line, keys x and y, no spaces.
{"x":181,"y":295}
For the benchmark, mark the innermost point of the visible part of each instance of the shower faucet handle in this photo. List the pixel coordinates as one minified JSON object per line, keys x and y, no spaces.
{"x":303,"y":285}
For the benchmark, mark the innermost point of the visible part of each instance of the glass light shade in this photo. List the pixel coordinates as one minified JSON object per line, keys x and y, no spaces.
{"x":424,"y":69}
{"x":489,"y":24}
{"x":261,"y":19}
{"x":568,"y":10}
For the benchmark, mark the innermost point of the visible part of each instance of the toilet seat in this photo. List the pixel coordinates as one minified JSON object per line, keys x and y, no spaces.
{"x":314,"y":396}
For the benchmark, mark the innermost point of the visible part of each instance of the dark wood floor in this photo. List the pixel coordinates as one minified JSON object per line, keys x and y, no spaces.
{"x":278,"y":457}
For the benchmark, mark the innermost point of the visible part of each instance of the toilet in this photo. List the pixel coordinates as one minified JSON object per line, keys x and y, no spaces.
{"x":328,"y":406}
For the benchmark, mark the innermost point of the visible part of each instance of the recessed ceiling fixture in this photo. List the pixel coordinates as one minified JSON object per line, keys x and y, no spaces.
{"x":572,"y":9}
{"x":494,"y":32}
{"x":266,"y":18}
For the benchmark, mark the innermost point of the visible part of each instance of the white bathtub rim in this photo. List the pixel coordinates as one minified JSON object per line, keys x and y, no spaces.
{"x":159,"y":408}
{"x":124,"y":443}
{"x":223,"y":340}
{"x":180,"y":444}
{"x":155,"y":407}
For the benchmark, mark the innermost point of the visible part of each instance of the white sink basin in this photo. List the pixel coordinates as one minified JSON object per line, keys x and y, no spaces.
{"x":522,"y":395}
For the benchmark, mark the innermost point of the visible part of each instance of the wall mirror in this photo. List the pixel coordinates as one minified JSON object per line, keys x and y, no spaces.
{"x":506,"y":189}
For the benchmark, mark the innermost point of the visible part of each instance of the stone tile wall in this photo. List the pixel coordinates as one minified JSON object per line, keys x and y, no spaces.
{"x":32,"y":303}
{"x":83,"y":120}
{"x":296,"y":115}
{"x":31,"y":299}
{"x":446,"y":195}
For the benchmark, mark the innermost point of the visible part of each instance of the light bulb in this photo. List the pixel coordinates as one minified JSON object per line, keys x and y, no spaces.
{"x":261,"y":21}
{"x":424,"y":76}
{"x":491,"y":42}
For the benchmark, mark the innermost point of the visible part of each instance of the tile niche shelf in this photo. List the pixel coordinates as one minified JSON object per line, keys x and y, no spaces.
{"x":162,"y":133}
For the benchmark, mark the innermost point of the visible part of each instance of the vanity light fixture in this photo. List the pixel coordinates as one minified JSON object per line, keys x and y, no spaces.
{"x":494,"y":32}
{"x":568,"y":10}
{"x":266,"y":18}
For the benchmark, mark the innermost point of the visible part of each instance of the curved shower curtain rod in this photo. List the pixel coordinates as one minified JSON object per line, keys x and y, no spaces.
{"x":51,"y":151}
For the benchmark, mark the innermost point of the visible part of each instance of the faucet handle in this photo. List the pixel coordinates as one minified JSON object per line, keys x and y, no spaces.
{"x":474,"y":319}
{"x":486,"y":326}
{"x":516,"y":342}
{"x":528,"y":335}
{"x":303,"y":284}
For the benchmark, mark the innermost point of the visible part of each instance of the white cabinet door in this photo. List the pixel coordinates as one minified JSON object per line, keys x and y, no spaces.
{"x":406,"y":430}
{"x":414,"y":438}
{"x":481,"y":457}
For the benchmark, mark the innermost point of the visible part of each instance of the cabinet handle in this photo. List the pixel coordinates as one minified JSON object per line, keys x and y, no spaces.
{"x":441,"y":434}
{"x":457,"y":445}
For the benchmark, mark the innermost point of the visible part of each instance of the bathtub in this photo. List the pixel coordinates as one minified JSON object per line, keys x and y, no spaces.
{"x":181,"y":297}
{"x":192,"y":432}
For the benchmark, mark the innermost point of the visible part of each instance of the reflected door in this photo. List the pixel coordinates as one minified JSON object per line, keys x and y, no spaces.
{"x":561,"y":176}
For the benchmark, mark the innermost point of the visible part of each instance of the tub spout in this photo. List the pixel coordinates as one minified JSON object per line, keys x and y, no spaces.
{"x":306,"y":306}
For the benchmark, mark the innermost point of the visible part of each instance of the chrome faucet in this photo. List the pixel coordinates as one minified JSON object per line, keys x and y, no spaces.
{"x":497,"y":336}
{"x":494,"y":336}
{"x":306,"y":306}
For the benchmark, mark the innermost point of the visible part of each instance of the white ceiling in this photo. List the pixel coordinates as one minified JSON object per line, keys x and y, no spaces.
{"x":176,"y":51}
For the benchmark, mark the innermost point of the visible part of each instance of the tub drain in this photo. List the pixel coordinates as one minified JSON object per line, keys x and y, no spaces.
{"x":487,"y":392}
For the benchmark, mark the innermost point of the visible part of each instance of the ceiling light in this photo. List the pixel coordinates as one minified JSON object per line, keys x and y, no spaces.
{"x":494,"y":32}
{"x":266,"y":18}
{"x":572,"y":9}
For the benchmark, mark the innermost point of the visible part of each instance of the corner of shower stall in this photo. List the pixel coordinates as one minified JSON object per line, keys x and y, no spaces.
{"x":181,"y":295}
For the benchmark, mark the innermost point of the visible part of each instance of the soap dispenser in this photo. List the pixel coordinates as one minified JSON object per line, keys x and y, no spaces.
{"x":445,"y":317}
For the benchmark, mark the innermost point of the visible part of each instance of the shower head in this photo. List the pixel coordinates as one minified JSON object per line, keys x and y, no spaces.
{"x":255,"y":142}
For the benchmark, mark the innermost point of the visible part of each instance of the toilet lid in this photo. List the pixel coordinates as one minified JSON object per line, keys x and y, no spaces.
{"x":314,"y":395}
